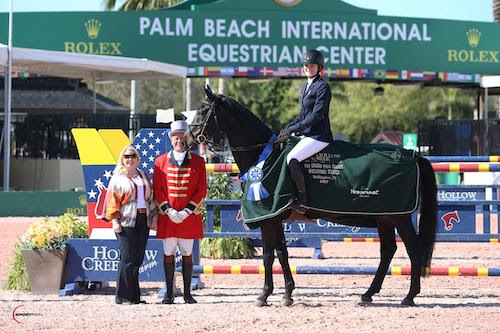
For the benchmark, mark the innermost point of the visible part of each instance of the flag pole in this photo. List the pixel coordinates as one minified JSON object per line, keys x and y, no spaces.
{"x":7,"y":108}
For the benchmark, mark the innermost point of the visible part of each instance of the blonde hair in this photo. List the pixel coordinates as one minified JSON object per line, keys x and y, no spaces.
{"x":120,"y":168}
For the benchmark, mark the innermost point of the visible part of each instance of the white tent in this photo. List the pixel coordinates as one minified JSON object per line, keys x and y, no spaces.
{"x":76,"y":65}
{"x":87,"y":66}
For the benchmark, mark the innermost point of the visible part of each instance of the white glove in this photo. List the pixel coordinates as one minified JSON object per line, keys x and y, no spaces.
{"x":183,"y":214}
{"x":173,"y":215}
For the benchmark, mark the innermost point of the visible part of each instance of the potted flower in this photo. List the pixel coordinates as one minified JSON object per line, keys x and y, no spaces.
{"x":43,"y":249}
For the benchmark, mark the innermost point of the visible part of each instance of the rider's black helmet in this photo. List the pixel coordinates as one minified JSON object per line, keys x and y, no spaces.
{"x":313,"y":57}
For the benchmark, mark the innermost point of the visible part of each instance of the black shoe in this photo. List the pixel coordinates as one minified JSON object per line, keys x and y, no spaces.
{"x":169,"y":282}
{"x":118,"y":300}
{"x":188,"y":299}
{"x":167,"y":301}
{"x":139,"y":302}
{"x":187,"y":274}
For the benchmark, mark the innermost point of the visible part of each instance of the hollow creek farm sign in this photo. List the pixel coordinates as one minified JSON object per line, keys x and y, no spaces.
{"x":267,"y":38}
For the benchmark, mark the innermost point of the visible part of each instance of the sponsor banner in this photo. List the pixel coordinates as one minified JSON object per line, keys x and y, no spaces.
{"x":263,"y":35}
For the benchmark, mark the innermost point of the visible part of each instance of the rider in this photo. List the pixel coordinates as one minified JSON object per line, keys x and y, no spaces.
{"x":312,"y":124}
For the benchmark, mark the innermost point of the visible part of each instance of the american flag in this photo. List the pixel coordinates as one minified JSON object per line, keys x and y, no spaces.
{"x":151,"y":143}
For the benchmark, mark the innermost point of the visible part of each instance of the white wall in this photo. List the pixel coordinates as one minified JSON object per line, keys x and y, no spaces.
{"x":39,"y":174}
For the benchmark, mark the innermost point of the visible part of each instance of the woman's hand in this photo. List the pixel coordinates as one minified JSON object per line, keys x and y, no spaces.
{"x":117,"y":228}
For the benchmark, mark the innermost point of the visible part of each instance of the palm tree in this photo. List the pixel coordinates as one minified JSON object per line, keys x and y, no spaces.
{"x":496,"y":10}
{"x":141,"y":4}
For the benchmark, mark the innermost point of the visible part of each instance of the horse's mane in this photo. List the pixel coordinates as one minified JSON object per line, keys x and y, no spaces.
{"x":246,"y":130}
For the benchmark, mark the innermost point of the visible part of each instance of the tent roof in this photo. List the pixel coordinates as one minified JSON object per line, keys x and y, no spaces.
{"x":88,"y":66}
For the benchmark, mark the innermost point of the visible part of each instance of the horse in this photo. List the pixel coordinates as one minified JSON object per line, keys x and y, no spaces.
{"x":247,"y":135}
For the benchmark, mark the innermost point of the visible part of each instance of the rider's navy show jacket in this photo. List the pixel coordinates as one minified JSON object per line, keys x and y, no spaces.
{"x":313,"y":120}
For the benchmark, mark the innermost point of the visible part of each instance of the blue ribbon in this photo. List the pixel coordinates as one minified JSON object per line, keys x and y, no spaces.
{"x":256,"y":190}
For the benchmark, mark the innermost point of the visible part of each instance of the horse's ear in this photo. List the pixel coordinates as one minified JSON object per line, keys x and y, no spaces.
{"x":209,"y":93}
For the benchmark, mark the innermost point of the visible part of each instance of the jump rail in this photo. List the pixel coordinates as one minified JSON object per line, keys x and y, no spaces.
{"x":345,"y":270}
{"x":438,"y":167}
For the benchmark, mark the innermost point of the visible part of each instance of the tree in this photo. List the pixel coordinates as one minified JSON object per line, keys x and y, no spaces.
{"x":141,"y":4}
{"x":361,"y":115}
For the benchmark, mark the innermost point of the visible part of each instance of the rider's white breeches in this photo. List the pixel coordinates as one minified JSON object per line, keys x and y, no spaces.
{"x":305,"y":148}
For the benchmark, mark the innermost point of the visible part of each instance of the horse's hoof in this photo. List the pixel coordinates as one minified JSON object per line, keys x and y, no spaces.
{"x":286,"y":301}
{"x":260,"y":303}
{"x":366,"y":299}
{"x":408,"y":302}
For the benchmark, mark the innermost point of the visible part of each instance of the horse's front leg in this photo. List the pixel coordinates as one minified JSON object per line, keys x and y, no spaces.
{"x":268,"y":245}
{"x":282,"y":252}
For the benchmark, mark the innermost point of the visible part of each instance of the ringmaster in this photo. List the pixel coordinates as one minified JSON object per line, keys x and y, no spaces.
{"x":180,"y":186}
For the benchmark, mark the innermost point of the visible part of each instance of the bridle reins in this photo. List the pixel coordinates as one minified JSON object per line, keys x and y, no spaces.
{"x":203,"y":138}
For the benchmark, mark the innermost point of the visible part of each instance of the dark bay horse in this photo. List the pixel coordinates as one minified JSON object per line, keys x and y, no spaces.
{"x":247,"y":137}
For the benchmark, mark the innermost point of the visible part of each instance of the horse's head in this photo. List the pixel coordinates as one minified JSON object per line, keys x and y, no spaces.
{"x":208,"y":121}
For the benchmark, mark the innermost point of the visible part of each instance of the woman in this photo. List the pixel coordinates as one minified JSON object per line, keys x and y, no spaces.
{"x":132,"y":211}
{"x":312,"y":124}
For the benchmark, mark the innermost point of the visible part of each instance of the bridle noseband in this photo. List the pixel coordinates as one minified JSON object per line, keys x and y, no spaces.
{"x":202,"y":138}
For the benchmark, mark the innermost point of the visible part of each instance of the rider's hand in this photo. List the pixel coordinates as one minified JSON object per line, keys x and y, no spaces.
{"x":284,"y":135}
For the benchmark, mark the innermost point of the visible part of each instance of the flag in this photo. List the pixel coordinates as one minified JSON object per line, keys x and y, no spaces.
{"x":212,"y":70}
{"x":281,"y":71}
{"x":253,"y":71}
{"x":241,"y":71}
{"x":356,"y":72}
{"x":151,"y":143}
{"x":379,"y":74}
{"x":429,"y":75}
{"x":443,"y":76}
{"x":416,"y":75}
{"x":266,"y":71}
{"x":227,"y":71}
{"x":394,"y":75}
{"x":366,"y":73}
{"x":295,"y":71}
{"x":329,"y":72}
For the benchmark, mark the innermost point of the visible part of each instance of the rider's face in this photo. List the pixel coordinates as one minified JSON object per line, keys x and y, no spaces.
{"x":311,"y":69}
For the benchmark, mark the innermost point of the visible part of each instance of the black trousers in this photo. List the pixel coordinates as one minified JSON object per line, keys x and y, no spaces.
{"x":132,"y":244}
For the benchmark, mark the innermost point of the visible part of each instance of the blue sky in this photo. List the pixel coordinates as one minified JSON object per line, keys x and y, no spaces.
{"x":469,"y":10}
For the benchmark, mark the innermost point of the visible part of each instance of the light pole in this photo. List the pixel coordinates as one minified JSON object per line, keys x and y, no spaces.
{"x":7,"y":107}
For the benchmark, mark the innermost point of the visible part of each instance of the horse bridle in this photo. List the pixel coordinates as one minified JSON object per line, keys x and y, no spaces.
{"x":203,"y":139}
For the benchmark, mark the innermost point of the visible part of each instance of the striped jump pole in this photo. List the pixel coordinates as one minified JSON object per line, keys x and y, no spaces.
{"x":466,"y":167}
{"x":491,"y":159}
{"x":438,"y":167}
{"x":222,"y":167}
{"x":345,"y":270}
{"x":376,"y":239}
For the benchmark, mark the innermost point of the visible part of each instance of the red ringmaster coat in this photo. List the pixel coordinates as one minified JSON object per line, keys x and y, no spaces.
{"x":180,"y":187}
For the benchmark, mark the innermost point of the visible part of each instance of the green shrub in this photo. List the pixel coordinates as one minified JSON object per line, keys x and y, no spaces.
{"x":18,"y":277}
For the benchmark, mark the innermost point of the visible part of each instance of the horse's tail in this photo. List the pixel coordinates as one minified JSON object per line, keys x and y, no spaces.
{"x":428,"y":214}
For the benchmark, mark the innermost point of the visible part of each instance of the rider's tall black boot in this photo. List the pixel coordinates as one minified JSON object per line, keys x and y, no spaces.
{"x":169,"y":268}
{"x":187,"y":274}
{"x":297,"y":173}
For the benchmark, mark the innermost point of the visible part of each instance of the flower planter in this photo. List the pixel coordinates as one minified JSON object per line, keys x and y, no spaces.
{"x":45,"y":269}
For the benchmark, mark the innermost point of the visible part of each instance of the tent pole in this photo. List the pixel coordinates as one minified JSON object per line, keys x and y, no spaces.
{"x":486,"y":136}
{"x":94,"y":94}
{"x":7,"y":107}
{"x":134,"y":94}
